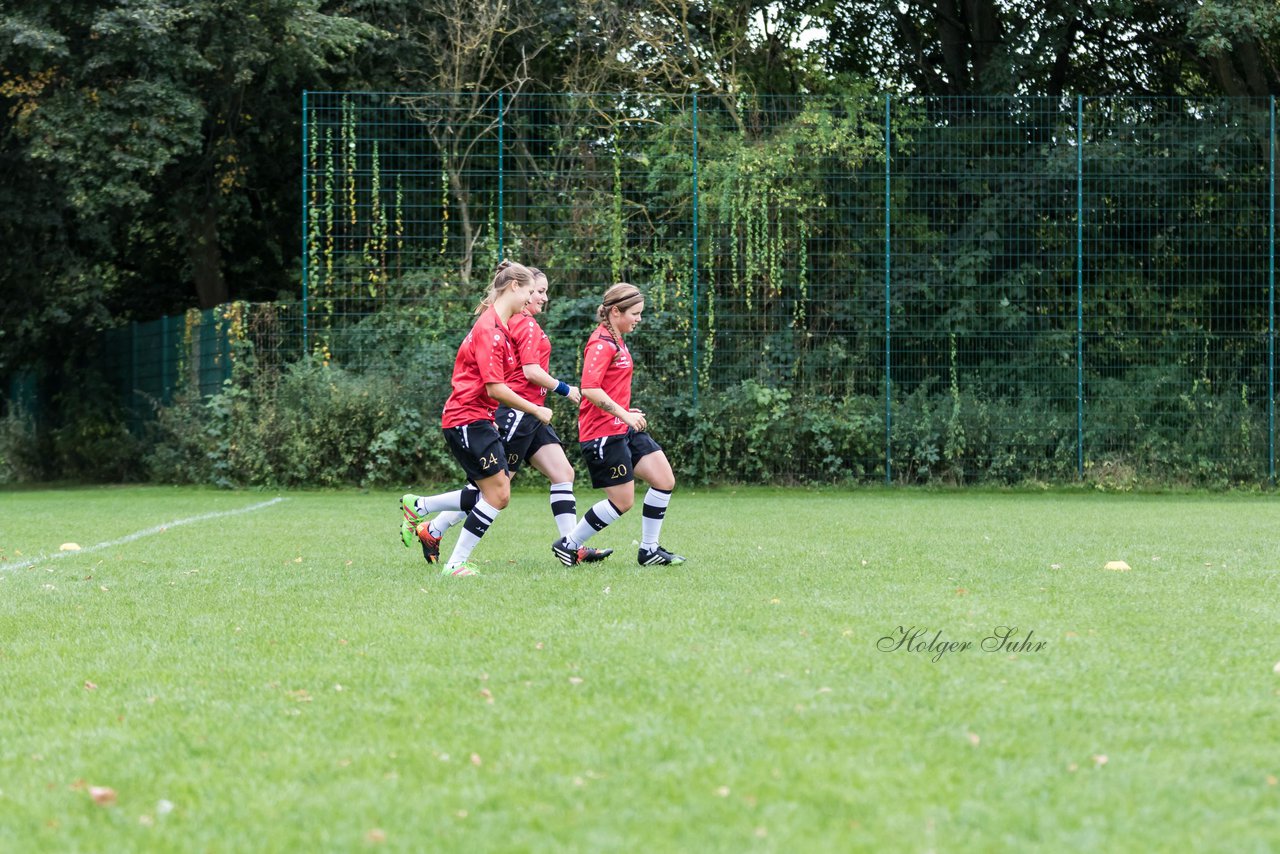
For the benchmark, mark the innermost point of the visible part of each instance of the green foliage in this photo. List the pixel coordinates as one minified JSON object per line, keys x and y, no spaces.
{"x":21,"y":457}
{"x":92,"y":441}
{"x":314,"y":424}
{"x":752,"y":433}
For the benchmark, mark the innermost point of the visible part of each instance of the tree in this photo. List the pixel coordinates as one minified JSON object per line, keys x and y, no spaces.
{"x":149,"y":110}
{"x":1124,"y":47}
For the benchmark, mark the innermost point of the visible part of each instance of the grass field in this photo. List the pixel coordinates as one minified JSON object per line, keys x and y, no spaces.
{"x":290,"y":678}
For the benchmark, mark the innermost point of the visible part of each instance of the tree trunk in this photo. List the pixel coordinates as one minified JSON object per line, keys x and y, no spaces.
{"x":205,"y":254}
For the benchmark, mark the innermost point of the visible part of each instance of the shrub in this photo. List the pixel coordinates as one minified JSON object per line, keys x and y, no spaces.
{"x":20,"y":454}
{"x":314,"y":424}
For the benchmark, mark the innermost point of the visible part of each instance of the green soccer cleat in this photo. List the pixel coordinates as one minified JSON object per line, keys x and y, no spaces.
{"x":409,"y":524}
{"x":462,"y":570}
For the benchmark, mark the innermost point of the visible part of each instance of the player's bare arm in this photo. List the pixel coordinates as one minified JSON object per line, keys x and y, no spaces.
{"x":633,"y":418}
{"x":536,"y":375}
{"x":502,"y":393}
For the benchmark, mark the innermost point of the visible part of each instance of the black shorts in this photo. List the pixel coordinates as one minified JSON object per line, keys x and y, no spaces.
{"x":523,"y":435}
{"x":477,"y":447}
{"x":612,"y":459}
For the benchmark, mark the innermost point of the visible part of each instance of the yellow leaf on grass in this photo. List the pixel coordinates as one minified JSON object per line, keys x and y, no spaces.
{"x":69,"y":547}
{"x":1117,"y":566}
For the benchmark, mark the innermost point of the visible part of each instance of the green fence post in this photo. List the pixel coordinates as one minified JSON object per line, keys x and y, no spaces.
{"x":695,"y":250}
{"x":1271,"y":310}
{"x":305,"y":214}
{"x":165,"y":388}
{"x":501,"y":253}
{"x":1080,"y":287}
{"x":888,"y":384}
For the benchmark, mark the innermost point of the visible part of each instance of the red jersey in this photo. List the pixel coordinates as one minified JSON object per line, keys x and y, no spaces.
{"x":606,"y":365}
{"x":485,"y":356}
{"x":533,"y":347}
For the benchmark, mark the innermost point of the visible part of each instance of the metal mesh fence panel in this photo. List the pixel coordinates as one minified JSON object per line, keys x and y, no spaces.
{"x":982,"y":289}
{"x":869,"y":287}
{"x":1177,"y":296}
{"x":149,"y":364}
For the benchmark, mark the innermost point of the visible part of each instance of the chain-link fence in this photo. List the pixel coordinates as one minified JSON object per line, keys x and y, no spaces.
{"x":908,"y":288}
{"x":872,"y":287}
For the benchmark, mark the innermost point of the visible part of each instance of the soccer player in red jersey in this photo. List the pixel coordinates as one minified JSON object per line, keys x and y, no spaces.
{"x":527,"y":439}
{"x":614,"y":437}
{"x":484,"y":361}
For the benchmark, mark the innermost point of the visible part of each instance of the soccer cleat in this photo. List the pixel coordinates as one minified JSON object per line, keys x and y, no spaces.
{"x":658,"y":556}
{"x":567,"y":554}
{"x":409,"y":505}
{"x":462,"y":570}
{"x":430,"y":544}
{"x":410,"y":520}
{"x":570,"y":556}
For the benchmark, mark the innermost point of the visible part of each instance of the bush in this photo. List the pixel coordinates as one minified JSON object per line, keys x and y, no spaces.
{"x":314,"y":424}
{"x":20,"y":454}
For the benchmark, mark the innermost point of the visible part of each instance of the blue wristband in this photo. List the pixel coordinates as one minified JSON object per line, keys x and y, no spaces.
{"x":563,"y":388}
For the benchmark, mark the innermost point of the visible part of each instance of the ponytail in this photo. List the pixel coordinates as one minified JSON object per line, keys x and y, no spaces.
{"x":507,"y":274}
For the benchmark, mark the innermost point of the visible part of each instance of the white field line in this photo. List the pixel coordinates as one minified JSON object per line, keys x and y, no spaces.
{"x":137,"y":535}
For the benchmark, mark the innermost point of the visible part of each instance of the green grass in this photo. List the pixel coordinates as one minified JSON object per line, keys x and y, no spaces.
{"x":293,"y":679}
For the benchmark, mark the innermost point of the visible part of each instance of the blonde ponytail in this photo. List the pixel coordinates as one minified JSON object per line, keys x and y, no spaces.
{"x":508,"y":274}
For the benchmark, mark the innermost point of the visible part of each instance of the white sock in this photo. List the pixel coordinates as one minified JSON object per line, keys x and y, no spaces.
{"x":655,"y":508}
{"x":444,"y":522}
{"x":599,"y":517}
{"x":478,"y":521}
{"x":564,"y":507}
{"x":428,"y":504}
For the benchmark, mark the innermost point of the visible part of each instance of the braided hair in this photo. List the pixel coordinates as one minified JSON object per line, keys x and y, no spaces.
{"x":621,"y":296}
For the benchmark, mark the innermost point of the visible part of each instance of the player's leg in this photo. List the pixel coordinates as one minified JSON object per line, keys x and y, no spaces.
{"x":495,"y":494}
{"x":416,"y":508}
{"x":655,"y":469}
{"x":550,"y":459}
{"x":609,"y":461}
{"x":515,"y":431}
{"x":480,"y":452}
{"x":552,"y":462}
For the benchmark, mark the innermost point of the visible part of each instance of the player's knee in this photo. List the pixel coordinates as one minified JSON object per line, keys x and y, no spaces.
{"x":622,"y":505}
{"x":499,"y":497}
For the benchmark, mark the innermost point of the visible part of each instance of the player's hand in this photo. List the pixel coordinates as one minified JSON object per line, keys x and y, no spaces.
{"x":543,"y":414}
{"x":637,"y":421}
{"x":575,"y":394}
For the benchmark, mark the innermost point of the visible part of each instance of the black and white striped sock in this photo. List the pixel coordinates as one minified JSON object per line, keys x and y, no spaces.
{"x":564,"y":507}
{"x":467,"y":497}
{"x":654,"y":511}
{"x":599,"y":517}
{"x":478,"y":521}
